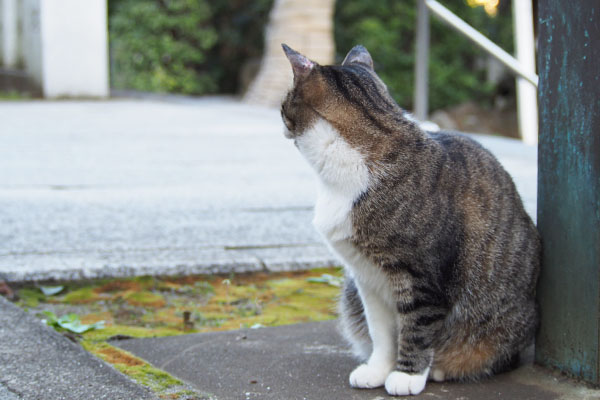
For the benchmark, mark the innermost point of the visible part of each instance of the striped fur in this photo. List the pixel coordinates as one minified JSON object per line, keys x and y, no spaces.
{"x":441,"y":258}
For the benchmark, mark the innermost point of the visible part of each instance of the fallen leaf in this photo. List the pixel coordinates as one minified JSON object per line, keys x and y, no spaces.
{"x":51,"y":290}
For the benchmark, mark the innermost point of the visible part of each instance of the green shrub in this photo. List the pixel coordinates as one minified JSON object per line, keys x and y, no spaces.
{"x":184,"y":46}
{"x":387,"y":28}
{"x":240,"y":26}
{"x":162,"y":45}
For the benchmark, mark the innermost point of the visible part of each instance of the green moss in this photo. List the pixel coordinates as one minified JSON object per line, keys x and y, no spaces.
{"x":208,"y":320}
{"x":157,"y":380}
{"x":149,"y":376}
{"x":286,"y":283}
{"x":30,"y":297}
{"x":163,"y":384}
{"x":204,"y":287}
{"x":243,"y":291}
{"x":145,"y":298}
{"x":110,"y":331}
{"x":198,"y":289}
{"x":337,"y":271}
{"x":146,"y":281}
{"x":83,"y":295}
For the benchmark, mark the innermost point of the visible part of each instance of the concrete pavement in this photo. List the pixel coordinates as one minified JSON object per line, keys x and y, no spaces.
{"x":38,"y":363}
{"x":311,"y":362}
{"x":163,"y":186}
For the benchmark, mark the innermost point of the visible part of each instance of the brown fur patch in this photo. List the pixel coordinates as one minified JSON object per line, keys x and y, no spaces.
{"x":464,"y":360}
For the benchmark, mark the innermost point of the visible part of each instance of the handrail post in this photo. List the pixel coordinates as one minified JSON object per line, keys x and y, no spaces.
{"x":569,"y":188}
{"x":527,"y":107}
{"x":421,"y":94}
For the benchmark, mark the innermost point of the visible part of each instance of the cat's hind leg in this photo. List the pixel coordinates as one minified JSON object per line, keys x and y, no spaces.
{"x":437,"y":375}
{"x":353,"y":321}
{"x":381,"y":330}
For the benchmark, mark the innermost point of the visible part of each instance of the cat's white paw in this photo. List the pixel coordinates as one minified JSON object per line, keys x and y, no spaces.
{"x":367,"y":377}
{"x":402,"y":384}
{"x":437,"y":375}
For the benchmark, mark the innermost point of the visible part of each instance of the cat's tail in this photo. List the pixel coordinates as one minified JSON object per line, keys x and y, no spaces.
{"x":499,"y":350}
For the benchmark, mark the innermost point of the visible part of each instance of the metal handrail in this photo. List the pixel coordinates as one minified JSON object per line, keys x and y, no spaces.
{"x":422,"y":60}
{"x":486,"y":44}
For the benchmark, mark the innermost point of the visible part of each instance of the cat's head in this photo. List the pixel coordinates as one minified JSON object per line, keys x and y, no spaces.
{"x":347,"y":96}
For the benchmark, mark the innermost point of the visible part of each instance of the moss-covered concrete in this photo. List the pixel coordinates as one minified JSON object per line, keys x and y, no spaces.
{"x":155,"y":306}
{"x":162,"y":383}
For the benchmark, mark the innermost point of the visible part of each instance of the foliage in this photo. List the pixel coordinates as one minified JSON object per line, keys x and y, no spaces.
{"x":200,"y":46}
{"x":184,"y":46}
{"x":161,"y":45}
{"x":30,"y":297}
{"x":387,"y":28}
{"x":51,"y":290}
{"x":329,"y":279}
{"x":70,"y":322}
{"x":240,"y":26}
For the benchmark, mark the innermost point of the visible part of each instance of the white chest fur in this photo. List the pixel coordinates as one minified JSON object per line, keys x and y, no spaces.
{"x":343,"y":177}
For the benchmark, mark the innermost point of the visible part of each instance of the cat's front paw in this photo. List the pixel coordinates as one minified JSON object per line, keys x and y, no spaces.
{"x":402,"y":384}
{"x":368,"y":377}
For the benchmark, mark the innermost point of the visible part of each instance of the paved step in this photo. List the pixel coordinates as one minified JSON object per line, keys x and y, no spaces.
{"x":311,"y":361}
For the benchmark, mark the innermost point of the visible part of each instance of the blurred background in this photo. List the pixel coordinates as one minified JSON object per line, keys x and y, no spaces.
{"x":231,"y":47}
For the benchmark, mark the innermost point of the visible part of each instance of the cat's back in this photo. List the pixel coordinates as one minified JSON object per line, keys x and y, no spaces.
{"x":452,"y":203}
{"x":465,"y":153}
{"x":474,"y":176}
{"x":497,"y":234}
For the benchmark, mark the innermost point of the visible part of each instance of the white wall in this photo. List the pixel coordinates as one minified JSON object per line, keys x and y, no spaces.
{"x":65,"y":45}
{"x":75,"y":48}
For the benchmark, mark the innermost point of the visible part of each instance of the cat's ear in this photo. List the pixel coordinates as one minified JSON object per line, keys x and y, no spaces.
{"x":300,"y":64}
{"x":360,"y":55}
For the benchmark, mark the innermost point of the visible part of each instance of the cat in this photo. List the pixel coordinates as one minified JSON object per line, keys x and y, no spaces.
{"x":441,"y":260}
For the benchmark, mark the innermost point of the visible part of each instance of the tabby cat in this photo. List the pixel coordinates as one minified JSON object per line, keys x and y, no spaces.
{"x":441,"y":259}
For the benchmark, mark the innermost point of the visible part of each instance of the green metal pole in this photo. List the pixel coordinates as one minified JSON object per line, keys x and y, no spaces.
{"x":569,"y":186}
